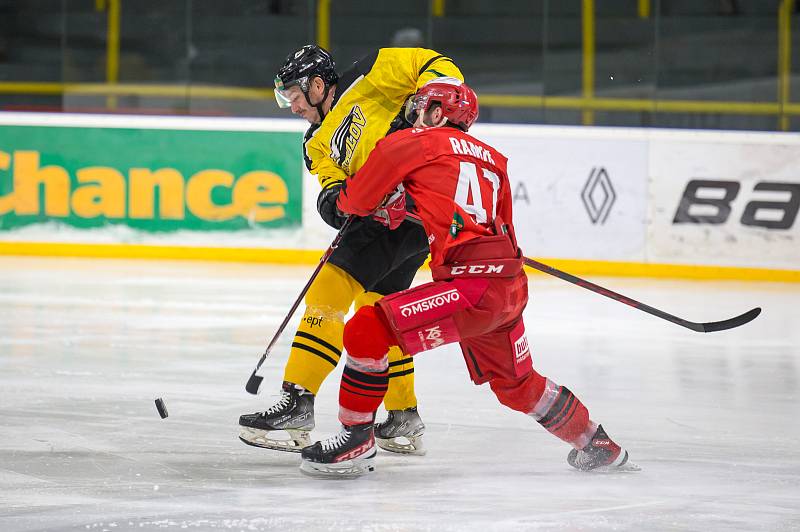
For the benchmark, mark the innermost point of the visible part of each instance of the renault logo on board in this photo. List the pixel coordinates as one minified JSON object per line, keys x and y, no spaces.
{"x":598,"y":195}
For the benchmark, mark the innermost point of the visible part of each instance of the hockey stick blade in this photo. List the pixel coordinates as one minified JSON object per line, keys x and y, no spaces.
{"x":731,"y":323}
{"x":253,"y":383}
{"x":712,"y":326}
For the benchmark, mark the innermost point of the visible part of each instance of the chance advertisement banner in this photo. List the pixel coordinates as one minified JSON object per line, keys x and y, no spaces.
{"x":150,"y":179}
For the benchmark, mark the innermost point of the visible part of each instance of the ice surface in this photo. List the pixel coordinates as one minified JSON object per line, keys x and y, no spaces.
{"x":87,"y":345}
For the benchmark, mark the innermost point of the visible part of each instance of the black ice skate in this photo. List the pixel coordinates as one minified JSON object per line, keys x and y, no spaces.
{"x":293,"y":413}
{"x":401,"y":432}
{"x":349,"y":454}
{"x":601,"y":454}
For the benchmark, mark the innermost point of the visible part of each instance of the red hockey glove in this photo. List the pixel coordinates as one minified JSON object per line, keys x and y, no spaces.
{"x":393,"y":210}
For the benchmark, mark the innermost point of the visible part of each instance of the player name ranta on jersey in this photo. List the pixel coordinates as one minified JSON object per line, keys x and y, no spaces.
{"x":465,"y":147}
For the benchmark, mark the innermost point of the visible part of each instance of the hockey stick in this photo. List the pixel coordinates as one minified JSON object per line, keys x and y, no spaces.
{"x":254,"y":382}
{"x":711,"y":326}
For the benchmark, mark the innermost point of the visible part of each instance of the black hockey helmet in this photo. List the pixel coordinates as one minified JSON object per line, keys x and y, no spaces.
{"x":300,"y":67}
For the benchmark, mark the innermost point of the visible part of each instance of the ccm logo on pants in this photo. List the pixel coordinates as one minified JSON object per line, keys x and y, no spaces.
{"x":476,"y":268}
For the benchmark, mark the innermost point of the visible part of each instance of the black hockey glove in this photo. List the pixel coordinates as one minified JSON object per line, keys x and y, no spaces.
{"x":326,"y":206}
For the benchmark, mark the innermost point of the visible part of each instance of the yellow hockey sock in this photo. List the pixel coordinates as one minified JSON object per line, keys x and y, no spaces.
{"x":317,"y":345}
{"x":400,"y":394}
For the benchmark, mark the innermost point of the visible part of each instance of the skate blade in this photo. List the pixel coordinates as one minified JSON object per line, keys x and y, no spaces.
{"x":627,"y":467}
{"x":298,"y":439}
{"x":349,"y":469}
{"x":402,"y":445}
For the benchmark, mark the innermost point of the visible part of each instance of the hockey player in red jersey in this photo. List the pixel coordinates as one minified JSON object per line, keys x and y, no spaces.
{"x":461,"y":194}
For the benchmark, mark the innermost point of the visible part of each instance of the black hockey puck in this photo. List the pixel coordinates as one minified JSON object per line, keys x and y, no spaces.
{"x":161,"y":407}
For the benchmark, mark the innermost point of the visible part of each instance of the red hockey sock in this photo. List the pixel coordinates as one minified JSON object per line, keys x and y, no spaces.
{"x":553,"y":406}
{"x":366,"y":376}
{"x":361,"y":393}
{"x":564,"y":416}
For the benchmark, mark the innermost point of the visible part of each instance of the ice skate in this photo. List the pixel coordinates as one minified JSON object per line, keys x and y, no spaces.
{"x":293,"y":413}
{"x":401,"y":432}
{"x":601,"y":454}
{"x":349,"y":454}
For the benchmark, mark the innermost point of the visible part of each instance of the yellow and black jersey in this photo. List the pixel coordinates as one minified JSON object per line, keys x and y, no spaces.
{"x":368,"y":98}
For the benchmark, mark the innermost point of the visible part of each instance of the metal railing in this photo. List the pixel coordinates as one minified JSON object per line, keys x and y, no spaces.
{"x":782,"y":108}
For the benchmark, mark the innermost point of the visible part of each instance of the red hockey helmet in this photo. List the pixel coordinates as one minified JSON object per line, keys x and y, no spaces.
{"x":459,"y":102}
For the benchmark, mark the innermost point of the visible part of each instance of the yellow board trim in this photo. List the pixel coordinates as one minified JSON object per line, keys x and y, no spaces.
{"x":671,"y":271}
{"x":644,"y":9}
{"x":112,"y":49}
{"x":141,"y":251}
{"x":487,"y":99}
{"x":324,"y":24}
{"x":300,"y":256}
{"x":588,"y":58}
{"x":784,"y":59}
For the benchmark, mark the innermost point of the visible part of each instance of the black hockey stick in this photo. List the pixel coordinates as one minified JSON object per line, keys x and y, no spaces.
{"x":254,"y":382}
{"x":710,"y":326}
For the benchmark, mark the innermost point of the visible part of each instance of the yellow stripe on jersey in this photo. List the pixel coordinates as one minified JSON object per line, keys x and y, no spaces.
{"x":368,"y":98}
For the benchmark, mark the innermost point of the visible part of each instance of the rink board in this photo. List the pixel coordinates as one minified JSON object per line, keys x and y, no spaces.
{"x":606,"y":200}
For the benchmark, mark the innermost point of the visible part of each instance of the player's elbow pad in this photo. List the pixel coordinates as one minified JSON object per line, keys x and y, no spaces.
{"x":326,"y":206}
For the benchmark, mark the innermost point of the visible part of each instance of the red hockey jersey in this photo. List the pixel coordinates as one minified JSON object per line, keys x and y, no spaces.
{"x":459,"y":185}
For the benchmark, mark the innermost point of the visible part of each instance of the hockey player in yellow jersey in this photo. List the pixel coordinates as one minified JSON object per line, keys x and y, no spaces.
{"x":348,"y":115}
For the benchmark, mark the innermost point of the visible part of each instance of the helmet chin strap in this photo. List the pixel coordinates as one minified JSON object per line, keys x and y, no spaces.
{"x":318,"y":106}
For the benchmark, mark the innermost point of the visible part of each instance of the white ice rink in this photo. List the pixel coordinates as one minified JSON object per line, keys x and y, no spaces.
{"x":87,"y":345}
